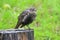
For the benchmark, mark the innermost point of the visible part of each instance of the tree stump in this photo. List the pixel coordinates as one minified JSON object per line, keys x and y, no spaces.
{"x":16,"y":34}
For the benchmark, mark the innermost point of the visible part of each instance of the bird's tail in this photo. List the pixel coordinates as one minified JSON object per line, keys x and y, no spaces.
{"x":18,"y":24}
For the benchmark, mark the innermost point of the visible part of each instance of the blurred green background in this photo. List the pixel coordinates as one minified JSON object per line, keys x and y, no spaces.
{"x":47,"y":23}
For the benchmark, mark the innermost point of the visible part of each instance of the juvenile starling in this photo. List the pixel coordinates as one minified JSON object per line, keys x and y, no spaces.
{"x":26,"y":17}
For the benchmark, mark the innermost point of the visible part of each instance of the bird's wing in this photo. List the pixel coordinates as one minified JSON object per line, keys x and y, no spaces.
{"x":23,"y":16}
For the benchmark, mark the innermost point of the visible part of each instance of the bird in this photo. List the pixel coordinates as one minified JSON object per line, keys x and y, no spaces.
{"x":26,"y":18}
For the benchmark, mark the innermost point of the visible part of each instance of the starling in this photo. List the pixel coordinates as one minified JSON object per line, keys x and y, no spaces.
{"x":26,"y":17}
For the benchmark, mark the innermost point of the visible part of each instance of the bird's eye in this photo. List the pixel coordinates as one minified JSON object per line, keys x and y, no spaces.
{"x":32,"y":10}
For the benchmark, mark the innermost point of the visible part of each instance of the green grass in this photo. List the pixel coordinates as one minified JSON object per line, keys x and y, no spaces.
{"x":47,"y":23}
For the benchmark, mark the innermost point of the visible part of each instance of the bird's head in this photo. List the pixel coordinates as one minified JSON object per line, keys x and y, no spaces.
{"x":32,"y":10}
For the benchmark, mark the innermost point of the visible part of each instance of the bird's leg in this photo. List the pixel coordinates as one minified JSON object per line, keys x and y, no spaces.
{"x":28,"y":27}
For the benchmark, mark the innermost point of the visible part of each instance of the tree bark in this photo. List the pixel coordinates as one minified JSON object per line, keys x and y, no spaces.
{"x":17,"y":34}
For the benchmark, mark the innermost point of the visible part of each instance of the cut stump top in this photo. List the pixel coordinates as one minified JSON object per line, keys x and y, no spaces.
{"x":17,"y":34}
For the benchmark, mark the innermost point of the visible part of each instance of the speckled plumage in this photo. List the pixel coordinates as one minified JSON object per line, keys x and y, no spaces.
{"x":26,"y":17}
